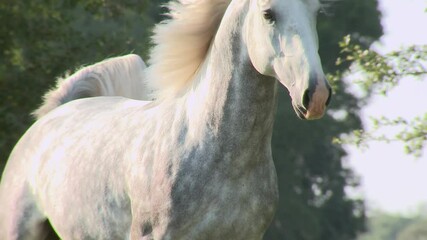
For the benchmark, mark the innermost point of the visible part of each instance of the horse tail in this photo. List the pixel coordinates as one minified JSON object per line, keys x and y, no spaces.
{"x":118,"y":76}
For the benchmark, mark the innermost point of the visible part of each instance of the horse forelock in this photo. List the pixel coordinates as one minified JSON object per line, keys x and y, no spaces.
{"x":181,"y":44}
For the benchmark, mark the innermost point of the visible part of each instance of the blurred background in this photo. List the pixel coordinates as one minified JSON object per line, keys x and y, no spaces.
{"x":343,"y":177}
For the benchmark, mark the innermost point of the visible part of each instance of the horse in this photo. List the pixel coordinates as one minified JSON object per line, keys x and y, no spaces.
{"x":118,"y":76}
{"x":196,"y":162}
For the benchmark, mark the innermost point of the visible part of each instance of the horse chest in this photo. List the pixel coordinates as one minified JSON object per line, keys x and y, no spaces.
{"x":216,"y":201}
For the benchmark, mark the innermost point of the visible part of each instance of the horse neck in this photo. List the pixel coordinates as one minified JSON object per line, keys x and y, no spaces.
{"x":231,"y":100}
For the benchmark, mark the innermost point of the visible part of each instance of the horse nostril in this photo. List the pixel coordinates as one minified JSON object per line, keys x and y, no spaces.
{"x":306,"y":99}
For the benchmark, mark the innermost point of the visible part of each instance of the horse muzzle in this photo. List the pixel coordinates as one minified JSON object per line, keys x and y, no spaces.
{"x":312,"y":105}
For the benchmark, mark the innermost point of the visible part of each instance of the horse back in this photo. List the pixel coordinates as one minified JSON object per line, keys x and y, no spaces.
{"x":70,"y":167}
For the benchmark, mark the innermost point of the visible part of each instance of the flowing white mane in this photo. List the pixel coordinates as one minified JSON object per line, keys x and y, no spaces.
{"x":181,"y":43}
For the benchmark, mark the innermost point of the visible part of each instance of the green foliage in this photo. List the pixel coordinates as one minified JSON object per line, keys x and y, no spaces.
{"x":359,"y":19}
{"x":380,"y":72}
{"x":378,"y":75}
{"x":415,"y":231}
{"x":412,"y":134}
{"x":385,"y":226}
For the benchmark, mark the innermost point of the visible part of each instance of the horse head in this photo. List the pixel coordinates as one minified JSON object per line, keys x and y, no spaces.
{"x":282,"y":43}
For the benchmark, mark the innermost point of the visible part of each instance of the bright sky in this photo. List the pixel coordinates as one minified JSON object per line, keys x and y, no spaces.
{"x":391,"y":180}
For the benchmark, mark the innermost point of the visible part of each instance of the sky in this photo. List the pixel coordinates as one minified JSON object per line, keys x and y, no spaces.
{"x":391,"y":180}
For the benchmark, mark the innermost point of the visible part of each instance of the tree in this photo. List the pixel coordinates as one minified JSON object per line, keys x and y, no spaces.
{"x":379,"y":74}
{"x":415,"y":231}
{"x":39,"y":40}
{"x":386,"y":226}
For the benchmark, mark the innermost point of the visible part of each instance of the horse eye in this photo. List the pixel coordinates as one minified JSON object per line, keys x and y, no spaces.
{"x":269,"y":16}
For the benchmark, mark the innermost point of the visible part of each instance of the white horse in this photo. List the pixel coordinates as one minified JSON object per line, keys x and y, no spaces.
{"x":195,"y":163}
{"x":119,"y":76}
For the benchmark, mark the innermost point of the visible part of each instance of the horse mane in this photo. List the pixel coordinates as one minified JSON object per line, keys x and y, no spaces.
{"x":181,"y":44}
